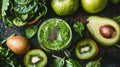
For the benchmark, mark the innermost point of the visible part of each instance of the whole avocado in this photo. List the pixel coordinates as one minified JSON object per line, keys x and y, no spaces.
{"x":64,"y":7}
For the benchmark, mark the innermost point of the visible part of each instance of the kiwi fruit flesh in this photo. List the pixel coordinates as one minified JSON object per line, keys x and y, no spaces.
{"x":35,"y":58}
{"x":86,"y":49}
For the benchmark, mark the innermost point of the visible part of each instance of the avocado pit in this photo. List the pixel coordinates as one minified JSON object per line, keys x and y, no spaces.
{"x":107,"y":31}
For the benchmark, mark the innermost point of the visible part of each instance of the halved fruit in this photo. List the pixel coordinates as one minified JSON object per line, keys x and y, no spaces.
{"x":104,"y":30}
{"x":35,"y":58}
{"x":86,"y":49}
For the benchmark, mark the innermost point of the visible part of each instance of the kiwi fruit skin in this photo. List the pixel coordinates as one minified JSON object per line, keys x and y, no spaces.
{"x":89,"y":55}
{"x":37,"y":52}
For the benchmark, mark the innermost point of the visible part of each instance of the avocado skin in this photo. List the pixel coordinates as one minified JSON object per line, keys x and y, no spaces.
{"x":93,"y":25}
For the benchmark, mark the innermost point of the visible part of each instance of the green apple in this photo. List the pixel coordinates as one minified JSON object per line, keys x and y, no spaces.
{"x":94,"y":6}
{"x":64,"y":7}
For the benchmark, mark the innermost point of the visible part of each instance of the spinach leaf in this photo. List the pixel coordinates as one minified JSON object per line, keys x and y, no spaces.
{"x":33,"y":13}
{"x":65,"y":62}
{"x":42,"y":9}
{"x":5,"y":4}
{"x":8,"y":21}
{"x":23,"y":16}
{"x":22,"y":2}
{"x":23,"y":9}
{"x":31,"y":31}
{"x":5,"y":56}
{"x":72,"y":63}
{"x":18,"y":22}
{"x":19,"y":12}
{"x":79,"y":28}
{"x":95,"y":63}
{"x":58,"y":62}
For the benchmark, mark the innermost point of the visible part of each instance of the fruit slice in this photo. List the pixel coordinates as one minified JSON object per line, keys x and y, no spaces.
{"x":104,"y":30}
{"x":86,"y":49}
{"x":54,"y":35}
{"x":35,"y":58}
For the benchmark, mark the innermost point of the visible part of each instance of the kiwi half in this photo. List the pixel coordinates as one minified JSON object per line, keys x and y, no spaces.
{"x":35,"y":58}
{"x":86,"y":49}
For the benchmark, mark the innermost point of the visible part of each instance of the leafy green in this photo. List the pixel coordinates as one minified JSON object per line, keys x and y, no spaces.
{"x":5,"y":4}
{"x":18,"y":22}
{"x":58,"y":62}
{"x":22,"y":2}
{"x":117,"y":18}
{"x":79,"y":28}
{"x":42,"y":10}
{"x":72,"y":63}
{"x":23,"y":16}
{"x":29,"y":15}
{"x":7,"y":57}
{"x":95,"y":63}
{"x":8,"y":21}
{"x":23,"y":9}
{"x":20,"y":12}
{"x":65,"y":62}
{"x":31,"y":31}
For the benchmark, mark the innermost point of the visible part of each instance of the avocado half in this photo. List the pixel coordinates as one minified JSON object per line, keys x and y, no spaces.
{"x":86,"y":49}
{"x":35,"y":58}
{"x":104,"y":30}
{"x":54,"y":34}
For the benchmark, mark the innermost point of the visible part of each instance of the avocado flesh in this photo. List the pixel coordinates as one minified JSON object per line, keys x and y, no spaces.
{"x":90,"y":53}
{"x":94,"y":24}
{"x":38,"y":53}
